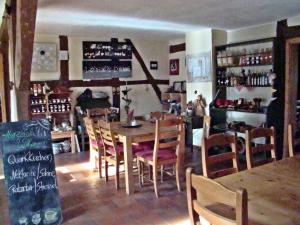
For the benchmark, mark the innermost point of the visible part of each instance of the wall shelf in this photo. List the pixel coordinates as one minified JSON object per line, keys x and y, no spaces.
{"x":225,"y":75}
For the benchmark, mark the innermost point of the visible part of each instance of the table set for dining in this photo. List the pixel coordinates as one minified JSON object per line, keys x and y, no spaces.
{"x":143,"y":133}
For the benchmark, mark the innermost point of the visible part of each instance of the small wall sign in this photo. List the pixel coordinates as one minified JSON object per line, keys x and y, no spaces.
{"x":174,"y":67}
{"x":153,"y":65}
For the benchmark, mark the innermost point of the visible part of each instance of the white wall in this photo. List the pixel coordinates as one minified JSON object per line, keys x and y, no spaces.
{"x":181,"y":56}
{"x":252,"y":33}
{"x":294,"y":21}
{"x":199,"y":42}
{"x":143,"y":101}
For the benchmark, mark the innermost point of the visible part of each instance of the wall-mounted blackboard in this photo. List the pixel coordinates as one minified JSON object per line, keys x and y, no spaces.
{"x":106,"y":59}
{"x":29,"y":172}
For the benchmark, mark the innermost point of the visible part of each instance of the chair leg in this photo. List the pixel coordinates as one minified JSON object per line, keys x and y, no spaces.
{"x":139,"y":172}
{"x":142,"y":173}
{"x":106,"y":170}
{"x":155,"y":179}
{"x":100,"y":164}
{"x":117,"y":174}
{"x":150,"y":172}
{"x":161,"y":173}
{"x":93,"y":160}
{"x":177,"y":177}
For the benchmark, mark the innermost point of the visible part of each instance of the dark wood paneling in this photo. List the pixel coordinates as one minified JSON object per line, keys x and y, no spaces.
{"x":64,"y":64}
{"x":177,"y":48}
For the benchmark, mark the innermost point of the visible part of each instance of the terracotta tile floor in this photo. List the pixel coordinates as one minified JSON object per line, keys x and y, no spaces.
{"x":87,"y":200}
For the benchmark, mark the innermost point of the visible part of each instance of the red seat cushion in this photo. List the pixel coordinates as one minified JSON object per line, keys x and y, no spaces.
{"x":163,"y":154}
{"x":147,"y":145}
{"x":120,"y":149}
{"x":94,"y":143}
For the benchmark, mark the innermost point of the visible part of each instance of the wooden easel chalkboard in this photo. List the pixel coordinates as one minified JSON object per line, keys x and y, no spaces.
{"x":29,"y":172}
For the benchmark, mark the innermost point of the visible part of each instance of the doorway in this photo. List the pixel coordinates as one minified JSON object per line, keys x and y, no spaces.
{"x":291,"y":86}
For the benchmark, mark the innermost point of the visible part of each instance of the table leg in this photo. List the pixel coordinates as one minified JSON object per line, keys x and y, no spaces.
{"x":73,"y":144}
{"x":181,"y":156}
{"x":128,"y":166}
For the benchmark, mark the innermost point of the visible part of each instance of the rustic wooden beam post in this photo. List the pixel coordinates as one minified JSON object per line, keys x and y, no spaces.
{"x":25,"y":28}
{"x":64,"y":64}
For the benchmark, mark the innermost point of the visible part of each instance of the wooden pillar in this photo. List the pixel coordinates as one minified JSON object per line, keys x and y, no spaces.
{"x":25,"y":28}
{"x":291,"y":87}
{"x":64,"y":64}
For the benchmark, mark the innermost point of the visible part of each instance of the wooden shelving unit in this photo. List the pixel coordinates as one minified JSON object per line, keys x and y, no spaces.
{"x":256,"y":62}
{"x":55,"y":105}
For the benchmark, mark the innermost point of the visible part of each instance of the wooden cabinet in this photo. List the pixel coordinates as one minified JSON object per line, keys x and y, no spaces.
{"x":52,"y":105}
{"x":169,"y":97}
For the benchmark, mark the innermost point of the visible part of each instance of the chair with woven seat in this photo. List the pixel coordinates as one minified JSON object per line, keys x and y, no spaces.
{"x":96,"y":146}
{"x":113,"y":150}
{"x":293,"y":138}
{"x":166,"y":150}
{"x":211,"y":164}
{"x":254,"y":149}
{"x":211,"y":203}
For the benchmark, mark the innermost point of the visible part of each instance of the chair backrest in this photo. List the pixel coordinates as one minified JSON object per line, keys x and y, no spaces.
{"x":168,"y":135}
{"x":98,"y":112}
{"x":204,"y":195}
{"x":293,"y":138}
{"x":168,"y":116}
{"x":206,"y":126}
{"x":107,"y":136}
{"x":92,"y":133}
{"x":211,"y":163}
{"x":156,"y":115}
{"x":260,"y":132}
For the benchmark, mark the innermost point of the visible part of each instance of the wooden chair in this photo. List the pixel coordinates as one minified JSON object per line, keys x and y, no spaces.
{"x":209,"y":162}
{"x":213,"y":202}
{"x":113,"y":150}
{"x":96,"y":146}
{"x":293,"y":139}
{"x":206,"y":126}
{"x":99,"y":113}
{"x":166,"y":150}
{"x":260,"y":132}
{"x":112,"y":154}
{"x":156,"y":115}
{"x":168,"y":116}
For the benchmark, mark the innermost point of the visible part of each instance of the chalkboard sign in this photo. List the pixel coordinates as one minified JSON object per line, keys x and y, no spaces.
{"x":29,"y":172}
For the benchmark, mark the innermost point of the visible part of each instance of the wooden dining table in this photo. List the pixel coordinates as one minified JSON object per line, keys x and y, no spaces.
{"x":273,"y":191}
{"x":146,"y":132}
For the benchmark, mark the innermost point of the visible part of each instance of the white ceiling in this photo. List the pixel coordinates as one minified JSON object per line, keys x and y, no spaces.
{"x":161,"y":18}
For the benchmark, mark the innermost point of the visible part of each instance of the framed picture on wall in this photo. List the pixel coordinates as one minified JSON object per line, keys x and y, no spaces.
{"x":174,"y":67}
{"x":177,"y":86}
{"x":199,"y":67}
{"x":153,"y":65}
{"x":44,"y":58}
